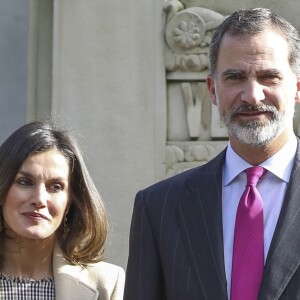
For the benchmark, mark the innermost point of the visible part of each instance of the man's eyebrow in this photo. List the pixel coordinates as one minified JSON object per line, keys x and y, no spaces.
{"x":271,"y":71}
{"x":233,"y":72}
{"x":241,"y":72}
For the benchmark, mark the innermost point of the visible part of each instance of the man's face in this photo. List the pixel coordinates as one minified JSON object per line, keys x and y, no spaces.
{"x":254,"y":87}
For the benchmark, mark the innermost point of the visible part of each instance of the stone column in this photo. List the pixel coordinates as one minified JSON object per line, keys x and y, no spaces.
{"x":109,"y":85}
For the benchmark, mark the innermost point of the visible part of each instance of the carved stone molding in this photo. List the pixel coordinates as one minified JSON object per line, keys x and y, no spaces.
{"x":188,"y":35}
{"x":181,"y":156}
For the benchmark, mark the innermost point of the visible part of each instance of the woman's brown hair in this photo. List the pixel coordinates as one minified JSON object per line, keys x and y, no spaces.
{"x":83,"y":233}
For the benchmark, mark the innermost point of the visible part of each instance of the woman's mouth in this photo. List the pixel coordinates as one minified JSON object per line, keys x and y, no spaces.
{"x":35,"y":216}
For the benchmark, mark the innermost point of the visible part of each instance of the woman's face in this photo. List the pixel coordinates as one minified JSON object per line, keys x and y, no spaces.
{"x":39,"y":196}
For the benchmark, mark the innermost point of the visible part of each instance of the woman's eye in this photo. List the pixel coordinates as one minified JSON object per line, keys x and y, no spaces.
{"x":24,"y":181}
{"x":56,"y":187}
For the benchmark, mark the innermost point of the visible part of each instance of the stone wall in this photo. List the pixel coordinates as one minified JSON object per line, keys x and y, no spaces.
{"x":13,"y":62}
{"x":136,"y":97}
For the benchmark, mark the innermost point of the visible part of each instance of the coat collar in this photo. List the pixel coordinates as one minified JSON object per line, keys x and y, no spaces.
{"x":199,"y":210}
{"x":70,"y":281}
{"x":283,"y":258}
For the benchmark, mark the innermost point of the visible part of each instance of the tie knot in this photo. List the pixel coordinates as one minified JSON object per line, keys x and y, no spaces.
{"x":254,"y":174}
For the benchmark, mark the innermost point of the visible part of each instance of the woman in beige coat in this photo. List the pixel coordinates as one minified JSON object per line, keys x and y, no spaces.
{"x":98,"y":281}
{"x":53,"y":223}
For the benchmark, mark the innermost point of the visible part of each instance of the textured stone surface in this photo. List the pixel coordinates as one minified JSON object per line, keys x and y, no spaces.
{"x":110,"y":85}
{"x":13,"y":62}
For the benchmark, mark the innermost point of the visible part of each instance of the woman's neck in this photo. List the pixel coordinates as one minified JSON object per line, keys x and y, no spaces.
{"x":28,"y":258}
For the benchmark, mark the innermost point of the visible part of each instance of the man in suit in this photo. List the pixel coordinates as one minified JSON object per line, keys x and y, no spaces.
{"x":183,"y":229}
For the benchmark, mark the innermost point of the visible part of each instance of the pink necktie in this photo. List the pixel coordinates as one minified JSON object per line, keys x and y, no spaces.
{"x":248,"y":246}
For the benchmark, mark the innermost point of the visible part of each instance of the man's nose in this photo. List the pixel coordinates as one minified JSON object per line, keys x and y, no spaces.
{"x":253,"y":93}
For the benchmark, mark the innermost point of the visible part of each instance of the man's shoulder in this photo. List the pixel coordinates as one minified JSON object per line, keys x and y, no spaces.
{"x":183,"y":178}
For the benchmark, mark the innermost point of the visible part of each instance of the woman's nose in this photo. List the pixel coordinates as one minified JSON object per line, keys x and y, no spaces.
{"x":41,"y":197}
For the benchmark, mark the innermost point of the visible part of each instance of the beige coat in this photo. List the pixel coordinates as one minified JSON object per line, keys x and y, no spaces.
{"x":100,"y":281}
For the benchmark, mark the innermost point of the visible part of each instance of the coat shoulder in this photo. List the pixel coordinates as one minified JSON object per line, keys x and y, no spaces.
{"x":100,"y":280}
{"x":105,"y":270}
{"x":108,"y":278}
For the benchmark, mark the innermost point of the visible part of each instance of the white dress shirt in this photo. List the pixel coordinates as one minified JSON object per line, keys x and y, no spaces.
{"x":272,"y":187}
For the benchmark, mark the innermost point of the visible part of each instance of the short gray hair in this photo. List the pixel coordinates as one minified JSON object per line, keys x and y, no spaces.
{"x":249,"y":22}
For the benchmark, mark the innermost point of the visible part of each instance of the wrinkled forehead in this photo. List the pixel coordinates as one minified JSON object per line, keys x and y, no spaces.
{"x":264,"y":50}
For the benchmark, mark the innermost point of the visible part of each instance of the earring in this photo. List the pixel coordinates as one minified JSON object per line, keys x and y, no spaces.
{"x":65,"y":228}
{"x":1,"y":220}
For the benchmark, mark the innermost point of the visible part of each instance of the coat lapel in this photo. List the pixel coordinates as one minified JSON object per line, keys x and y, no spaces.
{"x":68,"y":280}
{"x":200,"y":218}
{"x":284,"y":255}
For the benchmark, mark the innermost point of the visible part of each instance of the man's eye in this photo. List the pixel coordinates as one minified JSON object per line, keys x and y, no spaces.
{"x":234,"y":77}
{"x":270,"y":78}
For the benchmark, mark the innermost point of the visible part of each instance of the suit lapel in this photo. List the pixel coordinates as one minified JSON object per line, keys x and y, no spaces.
{"x":200,"y":218}
{"x":284,"y":256}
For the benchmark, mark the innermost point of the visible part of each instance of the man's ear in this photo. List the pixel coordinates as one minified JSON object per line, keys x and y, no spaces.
{"x":297,"y":97}
{"x":211,"y":89}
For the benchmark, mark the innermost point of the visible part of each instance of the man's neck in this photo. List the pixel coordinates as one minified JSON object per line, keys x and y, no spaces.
{"x":255,"y":155}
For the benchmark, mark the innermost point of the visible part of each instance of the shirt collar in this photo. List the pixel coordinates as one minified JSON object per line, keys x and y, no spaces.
{"x":280,"y":164}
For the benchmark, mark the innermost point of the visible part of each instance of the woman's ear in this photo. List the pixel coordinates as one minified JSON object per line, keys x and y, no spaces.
{"x":2,"y":223}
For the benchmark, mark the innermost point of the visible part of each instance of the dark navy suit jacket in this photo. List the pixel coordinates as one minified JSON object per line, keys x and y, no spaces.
{"x":176,"y":240}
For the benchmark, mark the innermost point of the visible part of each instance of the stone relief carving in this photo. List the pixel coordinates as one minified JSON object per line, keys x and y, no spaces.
{"x":196,"y":114}
{"x":184,"y":155}
{"x":192,"y":121}
{"x":188,"y":35}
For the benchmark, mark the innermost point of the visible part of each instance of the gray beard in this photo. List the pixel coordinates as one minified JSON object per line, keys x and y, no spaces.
{"x":255,"y":133}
